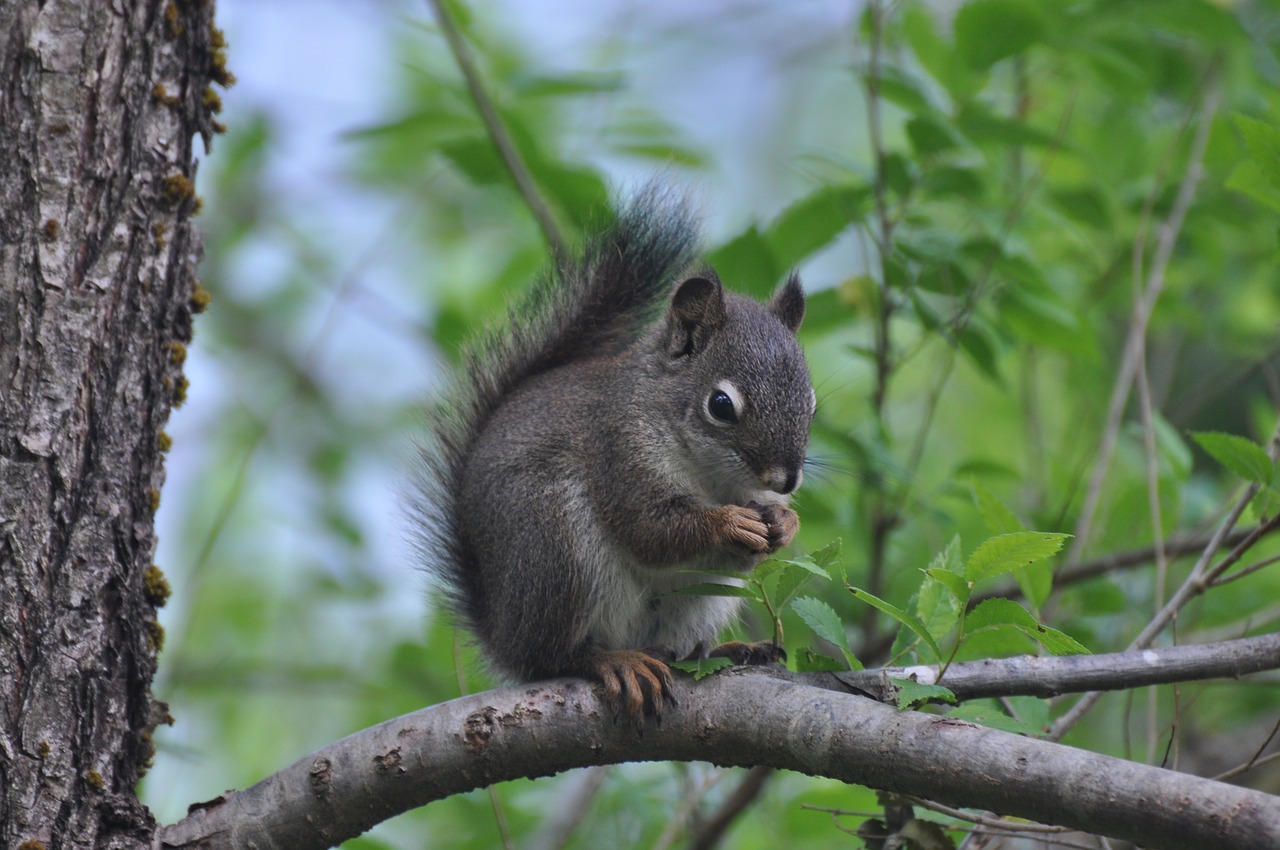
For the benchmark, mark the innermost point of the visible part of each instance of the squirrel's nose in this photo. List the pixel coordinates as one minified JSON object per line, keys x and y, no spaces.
{"x":782,"y":480}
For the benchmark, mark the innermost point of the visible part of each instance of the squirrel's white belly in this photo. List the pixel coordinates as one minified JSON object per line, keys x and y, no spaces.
{"x":636,"y":610}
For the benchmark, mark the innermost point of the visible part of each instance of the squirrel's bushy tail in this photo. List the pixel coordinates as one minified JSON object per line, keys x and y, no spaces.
{"x":594,"y":306}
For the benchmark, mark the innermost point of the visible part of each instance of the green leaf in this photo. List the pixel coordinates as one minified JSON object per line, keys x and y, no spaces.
{"x":809,"y":661}
{"x":937,"y":604}
{"x":982,"y":125}
{"x":709,"y":589}
{"x":996,"y":613}
{"x":956,"y":583}
{"x":998,"y":518}
{"x":1249,"y":179}
{"x":1007,"y":552}
{"x":990,"y":30}
{"x":559,"y":85}
{"x":1240,"y":455}
{"x":796,"y":573}
{"x":804,"y":563}
{"x":1263,"y":142}
{"x":1266,"y":503}
{"x":748,"y":260}
{"x":701,"y":667}
{"x":1032,"y":711}
{"x":985,"y":714}
{"x":824,"y":621}
{"x":977,"y":341}
{"x":935,"y":54}
{"x":1173,"y":450}
{"x":896,"y":86}
{"x":912,"y":694}
{"x":1036,"y":582}
{"x":911,"y":621}
{"x":930,"y":136}
{"x":812,"y":222}
{"x":955,"y":180}
{"x":827,"y":555}
{"x":795,"y":576}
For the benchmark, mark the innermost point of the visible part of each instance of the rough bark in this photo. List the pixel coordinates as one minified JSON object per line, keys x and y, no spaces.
{"x":747,"y":717}
{"x":99,"y":103}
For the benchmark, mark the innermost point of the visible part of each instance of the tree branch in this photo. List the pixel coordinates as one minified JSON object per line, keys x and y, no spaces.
{"x":1051,"y":676}
{"x":744,"y":717}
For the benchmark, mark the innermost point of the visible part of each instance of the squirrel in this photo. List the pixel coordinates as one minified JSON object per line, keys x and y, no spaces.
{"x":633,"y":423}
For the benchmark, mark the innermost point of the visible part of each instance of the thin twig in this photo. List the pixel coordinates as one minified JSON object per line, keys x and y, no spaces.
{"x":1166,"y":238}
{"x":498,"y":133}
{"x":710,"y":833}
{"x":1199,"y":580}
{"x":1256,"y":759}
{"x":692,"y":799}
{"x":557,"y":829}
{"x":1247,"y":571}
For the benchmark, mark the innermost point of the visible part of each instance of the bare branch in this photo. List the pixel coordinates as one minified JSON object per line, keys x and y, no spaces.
{"x":1052,"y":676}
{"x":498,"y":133}
{"x":739,"y":718}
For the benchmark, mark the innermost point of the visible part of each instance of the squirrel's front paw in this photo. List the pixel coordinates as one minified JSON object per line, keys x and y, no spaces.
{"x":742,"y":531}
{"x":782,"y":523}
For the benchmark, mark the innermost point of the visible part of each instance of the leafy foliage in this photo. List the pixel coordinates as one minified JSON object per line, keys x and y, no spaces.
{"x":1027,"y":187}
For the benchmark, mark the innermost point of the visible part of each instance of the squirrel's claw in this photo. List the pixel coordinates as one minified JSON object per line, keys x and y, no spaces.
{"x":635,"y":684}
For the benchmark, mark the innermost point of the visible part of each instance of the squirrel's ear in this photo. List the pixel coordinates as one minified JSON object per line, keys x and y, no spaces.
{"x":697,"y":309}
{"x":788,"y":303}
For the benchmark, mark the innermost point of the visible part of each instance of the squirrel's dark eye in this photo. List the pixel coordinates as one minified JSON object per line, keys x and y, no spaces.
{"x":721,"y":406}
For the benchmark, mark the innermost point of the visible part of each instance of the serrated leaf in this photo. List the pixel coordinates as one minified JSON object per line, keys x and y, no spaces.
{"x":827,"y":555}
{"x":701,"y":667}
{"x":911,"y":621}
{"x":996,"y":613}
{"x":709,"y":589}
{"x":1036,"y":582}
{"x":954,"y":582}
{"x":937,"y":605}
{"x":997,"y":518}
{"x":1007,"y":552}
{"x":809,"y":661}
{"x":792,"y":579}
{"x":805,"y":564}
{"x":766,"y":569}
{"x":1058,"y":643}
{"x":824,"y":621}
{"x":1240,"y":455}
{"x":912,"y":694}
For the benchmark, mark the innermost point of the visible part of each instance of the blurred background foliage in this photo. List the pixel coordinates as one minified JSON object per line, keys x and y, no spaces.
{"x":976,"y":195}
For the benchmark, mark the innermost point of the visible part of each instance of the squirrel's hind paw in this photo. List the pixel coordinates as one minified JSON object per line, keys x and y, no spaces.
{"x":635,"y":684}
{"x":739,"y":652}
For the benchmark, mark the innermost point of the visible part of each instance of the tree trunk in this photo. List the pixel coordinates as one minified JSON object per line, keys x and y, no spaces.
{"x":99,"y":104}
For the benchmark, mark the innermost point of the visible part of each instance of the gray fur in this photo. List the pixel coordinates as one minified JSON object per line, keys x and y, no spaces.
{"x":576,"y":469}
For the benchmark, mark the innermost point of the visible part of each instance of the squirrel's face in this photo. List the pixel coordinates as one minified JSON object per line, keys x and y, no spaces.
{"x":743,"y":389}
